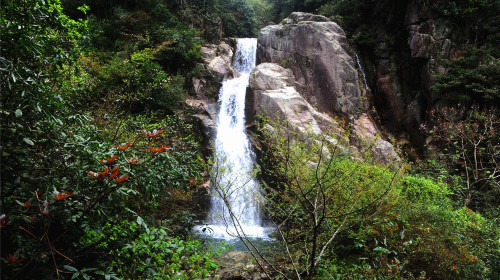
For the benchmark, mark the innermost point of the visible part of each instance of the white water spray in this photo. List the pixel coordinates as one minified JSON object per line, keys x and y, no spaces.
{"x":233,"y":182}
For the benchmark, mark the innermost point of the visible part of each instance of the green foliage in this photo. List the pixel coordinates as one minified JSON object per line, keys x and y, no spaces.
{"x":130,"y":85}
{"x":131,"y":250}
{"x":233,"y":18}
{"x":320,"y":191}
{"x":477,"y":20}
{"x":423,"y":190}
{"x":470,"y":149}
{"x":415,"y":236}
{"x":153,"y":25}
{"x":36,"y":39}
{"x":60,"y":206}
{"x":472,"y":76}
{"x":348,"y":13}
{"x":238,"y":19}
{"x":262,"y":10}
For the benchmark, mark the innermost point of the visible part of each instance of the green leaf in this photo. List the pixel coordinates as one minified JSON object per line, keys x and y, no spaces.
{"x":19,"y":113}
{"x":70,"y":268}
{"x":28,"y":141}
{"x":381,"y":249}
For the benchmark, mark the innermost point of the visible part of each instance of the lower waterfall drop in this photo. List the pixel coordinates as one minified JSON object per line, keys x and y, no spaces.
{"x":232,"y":180}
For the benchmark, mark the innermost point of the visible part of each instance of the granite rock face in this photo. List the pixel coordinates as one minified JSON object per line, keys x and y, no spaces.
{"x":217,"y":67}
{"x":220,"y":65}
{"x":273,"y":93}
{"x":316,"y":51}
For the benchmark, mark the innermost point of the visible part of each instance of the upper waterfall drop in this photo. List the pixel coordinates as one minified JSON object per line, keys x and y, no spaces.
{"x":233,"y":182}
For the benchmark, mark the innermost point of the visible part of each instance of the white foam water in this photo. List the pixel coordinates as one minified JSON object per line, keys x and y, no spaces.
{"x":233,"y":180}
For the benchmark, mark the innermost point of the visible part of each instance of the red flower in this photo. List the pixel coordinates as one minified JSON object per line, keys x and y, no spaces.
{"x":3,"y":221}
{"x":124,"y":147}
{"x":109,"y":160}
{"x":152,"y":134}
{"x":69,"y":193}
{"x":132,"y":160}
{"x":121,"y":179}
{"x":32,"y":218}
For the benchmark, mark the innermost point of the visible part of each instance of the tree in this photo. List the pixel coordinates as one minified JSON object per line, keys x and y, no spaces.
{"x":317,"y":193}
{"x":471,"y":142}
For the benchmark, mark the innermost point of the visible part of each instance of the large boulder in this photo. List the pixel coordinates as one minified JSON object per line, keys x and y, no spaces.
{"x":316,"y":50}
{"x":272,"y":93}
{"x":220,"y":65}
{"x":366,"y":137}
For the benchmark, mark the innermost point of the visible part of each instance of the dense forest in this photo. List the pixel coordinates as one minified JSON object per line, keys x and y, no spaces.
{"x":101,"y":159}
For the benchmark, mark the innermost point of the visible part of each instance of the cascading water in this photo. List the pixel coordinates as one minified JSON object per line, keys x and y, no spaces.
{"x":361,"y":68}
{"x":232,"y":180}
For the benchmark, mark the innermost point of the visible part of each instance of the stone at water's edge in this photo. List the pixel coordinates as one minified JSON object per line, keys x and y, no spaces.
{"x":315,"y":49}
{"x":217,"y":62}
{"x":220,"y":66}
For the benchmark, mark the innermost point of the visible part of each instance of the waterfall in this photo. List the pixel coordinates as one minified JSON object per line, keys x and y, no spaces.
{"x":233,"y":182}
{"x":361,"y":68}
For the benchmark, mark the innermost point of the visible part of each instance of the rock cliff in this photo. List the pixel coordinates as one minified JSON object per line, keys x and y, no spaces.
{"x":272,"y":93}
{"x":310,"y":80}
{"x":315,"y":82}
{"x":316,"y":50}
{"x":404,"y":62}
{"x":216,"y":68}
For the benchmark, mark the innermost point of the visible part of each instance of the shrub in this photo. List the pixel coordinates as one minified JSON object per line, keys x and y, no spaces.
{"x":422,"y":190}
{"x":131,"y":250}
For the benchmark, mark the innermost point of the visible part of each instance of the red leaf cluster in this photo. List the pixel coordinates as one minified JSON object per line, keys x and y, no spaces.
{"x":121,"y":179}
{"x":111,"y":174}
{"x":152,"y":134}
{"x":124,"y":146}
{"x":60,"y":196}
{"x":109,"y":160}
{"x":132,"y":160}
{"x":161,"y":149}
{"x":15,"y":258}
